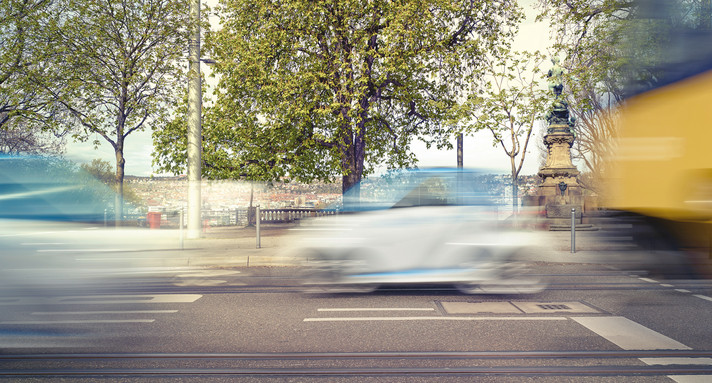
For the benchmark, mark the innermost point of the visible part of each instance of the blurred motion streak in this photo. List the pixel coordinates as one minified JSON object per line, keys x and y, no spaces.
{"x":427,"y":226}
{"x":660,"y":186}
{"x":51,"y":234}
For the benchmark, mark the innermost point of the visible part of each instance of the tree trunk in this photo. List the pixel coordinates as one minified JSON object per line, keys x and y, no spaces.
{"x":515,"y":195}
{"x":459,"y":151}
{"x":353,"y":156}
{"x":251,"y":211}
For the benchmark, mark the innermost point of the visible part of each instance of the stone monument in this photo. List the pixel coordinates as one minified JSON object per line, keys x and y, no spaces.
{"x":559,"y":191}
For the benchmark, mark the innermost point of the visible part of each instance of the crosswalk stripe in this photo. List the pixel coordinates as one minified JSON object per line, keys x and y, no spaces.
{"x":629,"y":335}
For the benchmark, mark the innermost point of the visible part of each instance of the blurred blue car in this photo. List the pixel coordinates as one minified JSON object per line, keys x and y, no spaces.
{"x":50,"y":189}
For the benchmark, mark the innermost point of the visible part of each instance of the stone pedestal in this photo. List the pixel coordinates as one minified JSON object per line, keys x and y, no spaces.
{"x":560,"y":191}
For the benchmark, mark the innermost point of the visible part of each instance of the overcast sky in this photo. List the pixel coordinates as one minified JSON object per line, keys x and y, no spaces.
{"x":478,"y":149}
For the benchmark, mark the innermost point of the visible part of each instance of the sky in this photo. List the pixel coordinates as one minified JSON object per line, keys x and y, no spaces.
{"x":478,"y":151}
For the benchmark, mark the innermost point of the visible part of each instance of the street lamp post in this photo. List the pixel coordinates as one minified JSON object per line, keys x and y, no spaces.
{"x":194,"y":124}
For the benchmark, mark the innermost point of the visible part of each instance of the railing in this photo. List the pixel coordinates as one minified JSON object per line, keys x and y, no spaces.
{"x":236,"y":217}
{"x":291,"y":215}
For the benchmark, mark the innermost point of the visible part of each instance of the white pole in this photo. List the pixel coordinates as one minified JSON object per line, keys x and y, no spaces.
{"x":194,"y":124}
{"x":573,"y":230}
{"x":180,"y":226}
{"x":257,"y":225}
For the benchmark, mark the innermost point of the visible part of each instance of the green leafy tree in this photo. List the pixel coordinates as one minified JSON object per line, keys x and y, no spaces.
{"x":26,"y":109}
{"x":119,"y":63}
{"x":590,"y":34}
{"x":509,"y":103}
{"x":102,"y":171}
{"x":334,"y":88}
{"x":18,"y":137}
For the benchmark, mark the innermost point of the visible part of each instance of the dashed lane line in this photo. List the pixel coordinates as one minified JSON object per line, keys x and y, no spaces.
{"x":433,"y":318}
{"x":356,"y":309}
{"x":104,"y":312}
{"x":648,"y":280}
{"x":685,"y":291}
{"x":104,"y":299}
{"x":702,"y":297}
{"x":79,"y":321}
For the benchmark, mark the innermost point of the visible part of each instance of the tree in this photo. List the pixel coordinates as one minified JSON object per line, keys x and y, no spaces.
{"x":322,"y":89}
{"x":615,"y":48}
{"x":100,"y":170}
{"x":118,"y":60}
{"x":508,"y":104}
{"x":591,"y":34}
{"x":16,"y":138}
{"x":26,"y":110}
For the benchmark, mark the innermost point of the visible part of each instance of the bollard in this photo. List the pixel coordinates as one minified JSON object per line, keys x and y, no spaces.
{"x":257,"y":225}
{"x":573,"y":231}
{"x":180,"y":227}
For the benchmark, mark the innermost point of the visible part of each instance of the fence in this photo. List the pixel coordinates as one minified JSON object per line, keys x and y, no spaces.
{"x":236,"y":217}
{"x":291,"y":215}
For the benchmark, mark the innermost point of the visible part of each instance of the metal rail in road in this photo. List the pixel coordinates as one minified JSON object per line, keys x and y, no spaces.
{"x":568,"y":363}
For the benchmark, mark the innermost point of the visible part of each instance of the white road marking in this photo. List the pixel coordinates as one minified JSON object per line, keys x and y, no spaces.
{"x":682,"y":361}
{"x":104,"y":312}
{"x":90,"y":321}
{"x":379,"y":309}
{"x":703,"y":297}
{"x":114,"y":258}
{"x":683,"y":291}
{"x":648,"y":280}
{"x":105,"y":299}
{"x":111,"y":299}
{"x":679,"y":361}
{"x":433,"y":318}
{"x":80,"y":250}
{"x":666,"y":285}
{"x":629,"y":335}
{"x":207,"y":273}
{"x":200,"y":282}
{"x":690,"y":378}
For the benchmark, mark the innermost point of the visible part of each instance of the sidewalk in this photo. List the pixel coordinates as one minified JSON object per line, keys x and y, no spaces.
{"x":234,"y":246}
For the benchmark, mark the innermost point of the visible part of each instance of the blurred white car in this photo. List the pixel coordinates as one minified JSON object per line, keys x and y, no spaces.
{"x":434,"y":226}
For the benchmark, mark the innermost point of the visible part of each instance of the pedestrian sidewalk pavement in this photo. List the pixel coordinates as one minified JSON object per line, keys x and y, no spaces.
{"x":234,"y":246}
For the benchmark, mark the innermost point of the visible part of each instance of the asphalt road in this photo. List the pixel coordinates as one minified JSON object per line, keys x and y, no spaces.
{"x":594,"y":324}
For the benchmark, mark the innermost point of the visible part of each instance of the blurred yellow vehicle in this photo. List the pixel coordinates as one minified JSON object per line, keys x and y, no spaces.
{"x":661,"y":170}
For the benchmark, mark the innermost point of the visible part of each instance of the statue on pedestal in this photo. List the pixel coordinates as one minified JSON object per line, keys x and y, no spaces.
{"x":559,"y":112}
{"x":559,"y":188}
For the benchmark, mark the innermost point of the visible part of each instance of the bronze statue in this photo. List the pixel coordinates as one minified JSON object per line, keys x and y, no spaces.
{"x":555,"y":75}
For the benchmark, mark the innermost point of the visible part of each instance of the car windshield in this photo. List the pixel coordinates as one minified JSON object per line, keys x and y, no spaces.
{"x":428,"y":187}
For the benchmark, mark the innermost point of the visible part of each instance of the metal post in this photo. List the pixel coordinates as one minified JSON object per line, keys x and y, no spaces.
{"x":180,"y":227}
{"x":194,"y":124}
{"x":573,"y":230}
{"x":105,"y":218}
{"x":257,"y":225}
{"x":459,"y":151}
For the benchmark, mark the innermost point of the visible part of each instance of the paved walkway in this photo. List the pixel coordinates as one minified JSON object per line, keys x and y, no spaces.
{"x":236,"y":247}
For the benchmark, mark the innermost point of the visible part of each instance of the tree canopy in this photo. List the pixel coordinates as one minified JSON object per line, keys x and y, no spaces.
{"x":26,"y":109}
{"x":508,"y":103}
{"x":328,"y":88}
{"x":118,"y":63}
